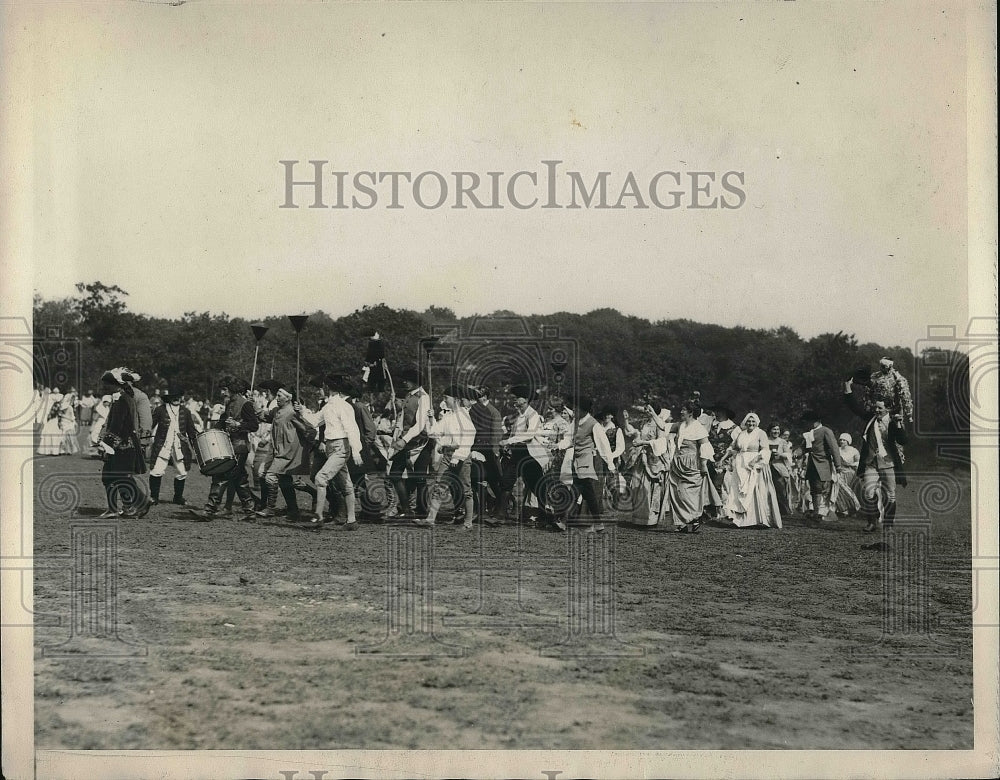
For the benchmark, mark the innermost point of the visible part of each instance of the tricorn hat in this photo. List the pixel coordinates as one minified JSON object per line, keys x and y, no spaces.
{"x":810,"y":416}
{"x":862,"y":375}
{"x":169,"y":396}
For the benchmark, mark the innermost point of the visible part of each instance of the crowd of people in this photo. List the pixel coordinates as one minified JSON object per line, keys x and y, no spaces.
{"x":511,"y":453}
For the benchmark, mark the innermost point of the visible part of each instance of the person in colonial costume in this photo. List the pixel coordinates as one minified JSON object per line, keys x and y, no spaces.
{"x":823,"y":462}
{"x":690,"y":490}
{"x":489,"y":432}
{"x":239,"y":420}
{"x":844,"y":493}
{"x":341,"y":443}
{"x":68,"y":424}
{"x":454,"y":434}
{"x":888,"y":385}
{"x":409,"y":452}
{"x":291,"y":436}
{"x":646,"y":463}
{"x":260,"y":440}
{"x":101,"y":410}
{"x":721,"y":433}
{"x":781,"y":468}
{"x":41,"y":404}
{"x":590,"y":441}
{"x":880,"y":466}
{"x":87,"y":404}
{"x":51,"y":436}
{"x":174,"y":435}
{"x":529,"y":456}
{"x":123,"y":452}
{"x":752,"y":500}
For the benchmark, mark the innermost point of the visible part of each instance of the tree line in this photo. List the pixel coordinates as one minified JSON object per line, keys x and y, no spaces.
{"x":620,"y":358}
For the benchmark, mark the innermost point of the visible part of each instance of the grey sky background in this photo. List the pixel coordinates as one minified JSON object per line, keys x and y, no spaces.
{"x":158,"y":132}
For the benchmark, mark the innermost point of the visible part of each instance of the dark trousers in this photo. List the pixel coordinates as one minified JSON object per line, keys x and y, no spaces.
{"x":521,"y":464}
{"x":487,"y":471}
{"x":417,"y":480}
{"x":234,"y":480}
{"x":587,"y":488}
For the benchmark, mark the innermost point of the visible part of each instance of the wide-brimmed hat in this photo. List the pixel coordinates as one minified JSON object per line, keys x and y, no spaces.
{"x":811,"y":416}
{"x":118,"y":376}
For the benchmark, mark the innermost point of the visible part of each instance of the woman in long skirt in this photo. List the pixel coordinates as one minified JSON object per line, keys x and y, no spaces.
{"x":51,"y":436}
{"x":646,"y":464}
{"x":752,"y":501}
{"x":846,"y":486}
{"x":689,"y":490}
{"x":67,"y":424}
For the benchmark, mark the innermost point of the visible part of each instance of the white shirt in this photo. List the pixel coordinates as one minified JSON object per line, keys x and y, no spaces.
{"x":526,"y":426}
{"x":455,"y":429}
{"x":603,"y":445}
{"x":172,"y":444}
{"x":423,"y":408}
{"x":338,"y":417}
{"x":102,"y":409}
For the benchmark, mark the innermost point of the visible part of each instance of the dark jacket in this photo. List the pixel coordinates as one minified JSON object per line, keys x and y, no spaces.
{"x":489,"y":427}
{"x":824,"y":456}
{"x":186,"y":429}
{"x":239,"y":408}
{"x":893,"y":442}
{"x":120,"y":434}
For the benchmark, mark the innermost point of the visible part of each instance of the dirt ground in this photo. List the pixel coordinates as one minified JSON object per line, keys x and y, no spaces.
{"x":263,"y":635}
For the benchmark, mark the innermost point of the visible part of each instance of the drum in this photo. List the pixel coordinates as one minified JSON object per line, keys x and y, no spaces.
{"x":214,"y":451}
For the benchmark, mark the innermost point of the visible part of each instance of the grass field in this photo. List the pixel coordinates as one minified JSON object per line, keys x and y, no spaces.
{"x":246,"y":635}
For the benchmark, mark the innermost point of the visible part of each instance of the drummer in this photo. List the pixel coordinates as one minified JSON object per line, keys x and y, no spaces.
{"x":239,"y":420}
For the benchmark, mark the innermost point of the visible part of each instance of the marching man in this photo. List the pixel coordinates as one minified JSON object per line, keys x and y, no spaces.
{"x":173,"y":434}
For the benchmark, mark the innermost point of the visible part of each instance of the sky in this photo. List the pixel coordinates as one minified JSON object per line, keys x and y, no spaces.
{"x":158,"y":133}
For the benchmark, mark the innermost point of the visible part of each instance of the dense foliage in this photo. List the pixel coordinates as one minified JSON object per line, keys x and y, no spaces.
{"x":619,"y":358}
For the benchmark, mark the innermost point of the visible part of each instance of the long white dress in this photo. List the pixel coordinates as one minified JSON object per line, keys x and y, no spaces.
{"x":51,"y":437}
{"x":752,"y":500}
{"x":67,"y":424}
